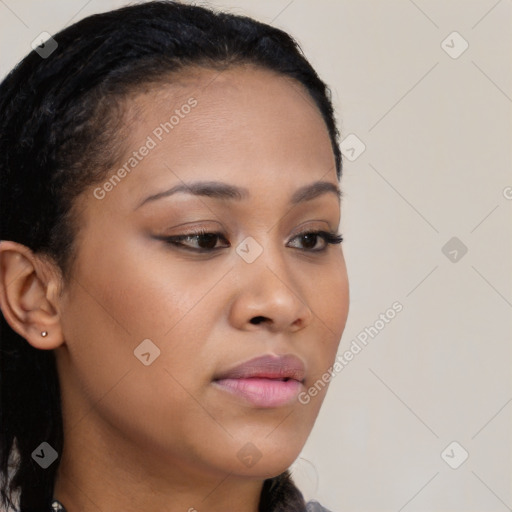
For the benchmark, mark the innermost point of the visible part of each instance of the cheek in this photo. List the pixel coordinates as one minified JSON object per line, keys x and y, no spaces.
{"x":329,"y":295}
{"x":119,"y":298}
{"x":144,"y":290}
{"x":329,"y":301}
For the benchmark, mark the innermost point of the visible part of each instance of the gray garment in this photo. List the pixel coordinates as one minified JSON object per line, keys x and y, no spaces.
{"x":314,"y":506}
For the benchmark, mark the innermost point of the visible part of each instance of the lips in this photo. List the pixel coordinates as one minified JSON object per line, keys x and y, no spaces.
{"x":266,"y":381}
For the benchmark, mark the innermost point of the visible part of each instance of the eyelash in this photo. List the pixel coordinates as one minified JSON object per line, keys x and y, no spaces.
{"x":329,"y":238}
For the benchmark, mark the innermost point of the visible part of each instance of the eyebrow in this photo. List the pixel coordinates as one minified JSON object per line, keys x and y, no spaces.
{"x":224,"y":191}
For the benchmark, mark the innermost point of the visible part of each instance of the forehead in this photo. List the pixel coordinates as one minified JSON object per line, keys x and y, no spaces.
{"x":235,"y":110}
{"x":244,"y":125}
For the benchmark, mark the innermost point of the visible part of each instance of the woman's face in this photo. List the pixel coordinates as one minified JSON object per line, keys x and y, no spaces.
{"x":153,"y":328}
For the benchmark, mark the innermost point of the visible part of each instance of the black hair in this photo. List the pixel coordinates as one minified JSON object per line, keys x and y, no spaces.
{"x":60,"y":132}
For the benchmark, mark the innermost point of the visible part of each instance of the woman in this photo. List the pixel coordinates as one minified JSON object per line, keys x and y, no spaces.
{"x":172,"y":284}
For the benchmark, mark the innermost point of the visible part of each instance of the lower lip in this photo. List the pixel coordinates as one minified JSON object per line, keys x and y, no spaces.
{"x":262,"y":392}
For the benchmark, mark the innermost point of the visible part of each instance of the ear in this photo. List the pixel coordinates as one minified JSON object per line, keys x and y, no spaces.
{"x":29,"y":291}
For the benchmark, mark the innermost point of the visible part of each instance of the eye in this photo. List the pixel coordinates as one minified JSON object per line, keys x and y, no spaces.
{"x":311,"y":239}
{"x":205,"y":241}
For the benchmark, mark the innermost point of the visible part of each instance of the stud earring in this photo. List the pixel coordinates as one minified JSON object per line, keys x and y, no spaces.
{"x":44,"y":334}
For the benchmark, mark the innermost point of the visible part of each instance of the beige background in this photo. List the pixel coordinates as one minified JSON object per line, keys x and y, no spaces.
{"x":437,"y":165}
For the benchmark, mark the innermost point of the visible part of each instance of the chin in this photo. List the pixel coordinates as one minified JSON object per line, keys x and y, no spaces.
{"x":268,"y":469}
{"x":265,"y":460}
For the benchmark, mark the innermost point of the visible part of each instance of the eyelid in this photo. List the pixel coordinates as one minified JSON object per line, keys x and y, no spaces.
{"x":197,"y":230}
{"x":330,"y":237}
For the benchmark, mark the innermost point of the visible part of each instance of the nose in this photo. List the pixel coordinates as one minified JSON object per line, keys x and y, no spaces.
{"x":269,"y":295}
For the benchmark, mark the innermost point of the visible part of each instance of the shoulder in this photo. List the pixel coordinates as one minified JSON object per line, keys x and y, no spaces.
{"x":314,"y":506}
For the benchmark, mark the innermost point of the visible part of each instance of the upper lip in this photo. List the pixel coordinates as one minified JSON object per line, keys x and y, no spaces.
{"x":267,"y":367}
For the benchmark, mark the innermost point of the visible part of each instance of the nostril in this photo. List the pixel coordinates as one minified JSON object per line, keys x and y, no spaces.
{"x":257,"y":319}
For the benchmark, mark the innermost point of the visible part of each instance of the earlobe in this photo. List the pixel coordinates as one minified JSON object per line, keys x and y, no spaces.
{"x":27,"y":296}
